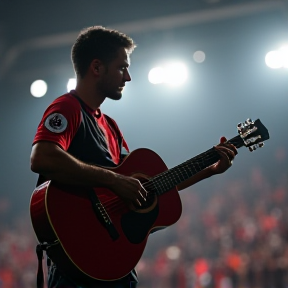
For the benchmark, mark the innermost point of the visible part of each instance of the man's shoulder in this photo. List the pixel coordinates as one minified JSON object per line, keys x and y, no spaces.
{"x":66,"y":102}
{"x":68,"y":99}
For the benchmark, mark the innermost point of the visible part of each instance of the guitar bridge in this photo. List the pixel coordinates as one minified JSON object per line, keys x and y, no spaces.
{"x":104,"y":214}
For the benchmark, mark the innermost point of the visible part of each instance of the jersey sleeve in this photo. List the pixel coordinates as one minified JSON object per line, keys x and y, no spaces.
{"x":60,"y":122}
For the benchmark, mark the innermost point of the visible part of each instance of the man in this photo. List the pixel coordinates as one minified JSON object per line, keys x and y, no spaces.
{"x":75,"y":139}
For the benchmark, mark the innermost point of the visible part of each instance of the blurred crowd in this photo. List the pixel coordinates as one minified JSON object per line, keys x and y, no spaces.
{"x":18,"y":260}
{"x":232,"y":235}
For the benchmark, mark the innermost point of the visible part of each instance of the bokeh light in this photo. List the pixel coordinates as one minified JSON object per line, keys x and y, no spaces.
{"x":38,"y":88}
{"x":71,"y":84}
{"x":278,"y":58}
{"x":156,"y":75}
{"x":199,"y":56}
{"x":173,"y":74}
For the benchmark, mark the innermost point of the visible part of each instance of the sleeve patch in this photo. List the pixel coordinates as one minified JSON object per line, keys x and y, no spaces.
{"x":56,"y":123}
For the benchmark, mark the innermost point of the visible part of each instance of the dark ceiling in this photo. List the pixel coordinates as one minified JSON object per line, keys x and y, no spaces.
{"x":28,"y":28}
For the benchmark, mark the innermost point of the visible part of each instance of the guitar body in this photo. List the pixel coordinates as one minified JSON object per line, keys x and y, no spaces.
{"x":86,"y":252}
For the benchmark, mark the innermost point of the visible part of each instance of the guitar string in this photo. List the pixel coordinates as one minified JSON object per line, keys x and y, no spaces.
{"x":150,"y":186}
{"x":113,"y":205}
{"x":206,"y":156}
{"x":209,"y":155}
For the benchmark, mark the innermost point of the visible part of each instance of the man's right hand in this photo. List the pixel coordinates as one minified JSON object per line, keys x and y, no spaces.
{"x":129,"y":189}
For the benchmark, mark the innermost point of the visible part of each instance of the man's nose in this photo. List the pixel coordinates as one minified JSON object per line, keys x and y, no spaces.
{"x":127,"y":77}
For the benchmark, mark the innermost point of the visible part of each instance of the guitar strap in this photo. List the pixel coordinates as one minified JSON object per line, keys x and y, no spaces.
{"x":40,"y":275}
{"x":39,"y":251}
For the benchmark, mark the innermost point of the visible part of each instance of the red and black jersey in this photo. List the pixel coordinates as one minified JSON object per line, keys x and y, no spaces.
{"x":88,"y":135}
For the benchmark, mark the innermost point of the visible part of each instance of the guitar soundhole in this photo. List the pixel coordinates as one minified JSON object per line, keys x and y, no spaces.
{"x":136,"y":225}
{"x":150,"y":200}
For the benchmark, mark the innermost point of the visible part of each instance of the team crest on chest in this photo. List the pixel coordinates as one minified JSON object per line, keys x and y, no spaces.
{"x":56,"y":123}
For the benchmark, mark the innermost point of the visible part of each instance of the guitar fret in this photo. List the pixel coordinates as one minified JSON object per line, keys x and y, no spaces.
{"x":199,"y":166}
{"x":158,"y":187}
{"x":181,"y":175}
{"x":163,"y":187}
{"x":190,"y":170}
{"x":171,"y":178}
{"x":174,"y":178}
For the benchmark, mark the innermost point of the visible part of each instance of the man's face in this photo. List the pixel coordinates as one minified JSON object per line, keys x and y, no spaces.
{"x":113,"y":80}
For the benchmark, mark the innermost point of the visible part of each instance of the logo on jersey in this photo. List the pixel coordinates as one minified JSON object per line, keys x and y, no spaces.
{"x":56,"y":123}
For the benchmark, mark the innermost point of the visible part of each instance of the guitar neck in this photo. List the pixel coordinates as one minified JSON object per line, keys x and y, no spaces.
{"x":171,"y":178}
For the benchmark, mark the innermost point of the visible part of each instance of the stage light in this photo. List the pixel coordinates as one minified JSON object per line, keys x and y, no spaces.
{"x":284,"y":55}
{"x":278,"y":58}
{"x":71,"y":84}
{"x":199,"y":56}
{"x":38,"y":88}
{"x":173,"y":74}
{"x":273,"y":60}
{"x":156,"y":75}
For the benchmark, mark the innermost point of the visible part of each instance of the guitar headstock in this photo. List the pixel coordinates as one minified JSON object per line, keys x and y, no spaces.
{"x":252,"y":134}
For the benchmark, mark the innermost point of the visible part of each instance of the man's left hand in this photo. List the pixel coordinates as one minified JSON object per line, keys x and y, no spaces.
{"x":227,"y":154}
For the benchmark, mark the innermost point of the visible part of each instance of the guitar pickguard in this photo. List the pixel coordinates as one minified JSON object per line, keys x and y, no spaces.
{"x":136,"y":226}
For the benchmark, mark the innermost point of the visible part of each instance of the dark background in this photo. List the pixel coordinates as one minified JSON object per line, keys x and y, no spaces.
{"x":231,"y":85}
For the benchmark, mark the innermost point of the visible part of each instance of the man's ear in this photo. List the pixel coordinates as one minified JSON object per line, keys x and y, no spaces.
{"x":95,"y":66}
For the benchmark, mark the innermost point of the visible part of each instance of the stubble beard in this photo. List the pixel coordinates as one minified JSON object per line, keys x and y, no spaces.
{"x":110,"y":92}
{"x":113,"y":95}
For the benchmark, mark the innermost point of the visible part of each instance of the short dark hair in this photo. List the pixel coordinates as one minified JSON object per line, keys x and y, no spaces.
{"x":98,"y":42}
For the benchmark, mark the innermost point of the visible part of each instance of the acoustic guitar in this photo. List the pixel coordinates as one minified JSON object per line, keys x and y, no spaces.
{"x":92,"y":237}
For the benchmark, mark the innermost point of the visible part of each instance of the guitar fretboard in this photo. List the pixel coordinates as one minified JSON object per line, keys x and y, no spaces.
{"x":169,"y":179}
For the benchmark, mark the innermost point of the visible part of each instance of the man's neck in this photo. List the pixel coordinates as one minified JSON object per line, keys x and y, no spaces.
{"x":89,"y":95}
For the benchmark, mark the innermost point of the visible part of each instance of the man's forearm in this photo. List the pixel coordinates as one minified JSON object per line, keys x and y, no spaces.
{"x":206,"y":173}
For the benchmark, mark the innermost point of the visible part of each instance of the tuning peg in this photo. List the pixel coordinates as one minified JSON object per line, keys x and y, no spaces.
{"x":255,"y":146}
{"x":246,"y":128}
{"x":249,"y":122}
{"x":252,"y":148}
{"x":240,"y":126}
